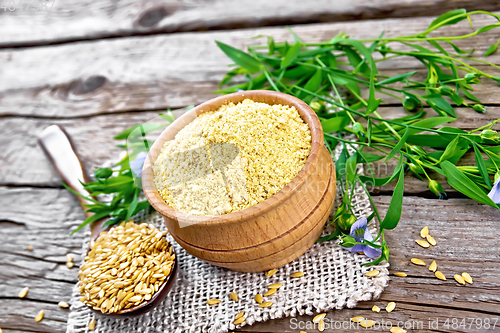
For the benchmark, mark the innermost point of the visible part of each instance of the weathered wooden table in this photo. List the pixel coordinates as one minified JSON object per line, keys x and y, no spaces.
{"x":97,"y":67}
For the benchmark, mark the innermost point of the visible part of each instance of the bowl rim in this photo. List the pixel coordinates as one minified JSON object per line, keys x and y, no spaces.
{"x":265,"y":96}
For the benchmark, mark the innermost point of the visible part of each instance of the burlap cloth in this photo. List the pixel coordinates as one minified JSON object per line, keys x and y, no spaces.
{"x":334,"y":279}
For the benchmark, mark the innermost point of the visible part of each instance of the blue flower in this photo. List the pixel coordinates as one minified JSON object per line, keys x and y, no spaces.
{"x":495,"y":192}
{"x":359,"y":232}
{"x":138,"y":162}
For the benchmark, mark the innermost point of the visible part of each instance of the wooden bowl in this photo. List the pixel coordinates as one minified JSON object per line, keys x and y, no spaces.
{"x":267,"y":235}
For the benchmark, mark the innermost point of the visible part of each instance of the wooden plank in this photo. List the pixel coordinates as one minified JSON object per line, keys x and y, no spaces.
{"x":167,"y":71}
{"x":466,"y":233}
{"x":26,"y":164}
{"x":84,"y":19}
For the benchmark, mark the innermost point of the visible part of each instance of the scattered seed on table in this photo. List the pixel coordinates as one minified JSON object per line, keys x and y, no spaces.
{"x":367,"y":323}
{"x":265,"y":304}
{"x":270,"y":292}
{"x":375,"y":308}
{"x":69,"y":258}
{"x":23,"y":292}
{"x":239,"y":321}
{"x":319,"y":318}
{"x":440,"y":275}
{"x":63,"y":305}
{"x":69,"y":264}
{"x":321,"y":326}
{"x":258,"y":298}
{"x":297,"y":274}
{"x":275,"y":285}
{"x":39,"y":316}
{"x":400,"y":274}
{"x":459,"y":279}
{"x":213,"y":301}
{"x":467,"y":277}
{"x":431,"y":240}
{"x":233,"y":296}
{"x":91,"y":325}
{"x":397,"y":330}
{"x":433,"y":266}
{"x":418,"y":262}
{"x":372,"y":273}
{"x":239,"y":315}
{"x":1,"y":330}
{"x":391,"y":306}
{"x":424,"y":232}
{"x":30,"y":248}
{"x":271,"y":272}
{"x":358,"y":319}
{"x":422,"y":243}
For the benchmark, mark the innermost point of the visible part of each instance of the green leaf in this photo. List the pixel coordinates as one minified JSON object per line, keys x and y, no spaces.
{"x":397,"y":78}
{"x":481,"y":165}
{"x":350,"y":167}
{"x":459,"y":50}
{"x":442,"y":104}
{"x":139,"y":129}
{"x":470,"y":96}
{"x":312,"y":85}
{"x":487,"y":28}
{"x":460,"y":182}
{"x":492,"y":49}
{"x":450,"y":150}
{"x":428,"y":140}
{"x":399,"y":145}
{"x":393,"y":215}
{"x":335,"y":124}
{"x":240,"y":58}
{"x":430,"y":123}
{"x":383,"y":181}
{"x":368,"y":157}
{"x":457,"y":12}
{"x":340,"y":164}
{"x":91,"y":219}
{"x":132,"y":206}
{"x":291,"y":55}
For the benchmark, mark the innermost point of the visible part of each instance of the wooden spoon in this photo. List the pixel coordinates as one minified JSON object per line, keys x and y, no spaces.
{"x":58,"y":147}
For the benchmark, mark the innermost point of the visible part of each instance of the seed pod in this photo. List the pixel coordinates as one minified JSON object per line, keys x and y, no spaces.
{"x":391,"y":306}
{"x":213,"y":301}
{"x":372,"y":273}
{"x":271,"y":272}
{"x":424,"y":232}
{"x":467,"y":278}
{"x":422,"y":243}
{"x":321,"y":326}
{"x":433,"y":266}
{"x":418,"y":262}
{"x":265,"y":304}
{"x":319,"y":318}
{"x":23,"y":292}
{"x":275,"y":285}
{"x":39,"y":316}
{"x":63,"y":305}
{"x":431,"y":240}
{"x":239,"y":315}
{"x":459,"y":279}
{"x":270,"y":292}
{"x":239,"y":321}
{"x":233,"y":296}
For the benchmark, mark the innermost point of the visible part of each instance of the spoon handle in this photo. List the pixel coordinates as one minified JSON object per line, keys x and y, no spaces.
{"x":58,"y":147}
